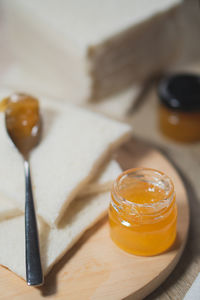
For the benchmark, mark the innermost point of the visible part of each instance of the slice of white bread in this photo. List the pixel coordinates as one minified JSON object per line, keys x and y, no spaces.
{"x":81,"y":214}
{"x":102,"y":183}
{"x":115,"y":106}
{"x":75,"y":143}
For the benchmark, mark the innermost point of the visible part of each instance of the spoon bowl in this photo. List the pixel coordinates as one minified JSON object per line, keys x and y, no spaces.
{"x":23,"y":122}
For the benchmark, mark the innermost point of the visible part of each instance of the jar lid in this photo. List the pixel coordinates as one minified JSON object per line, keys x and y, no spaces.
{"x":180,"y":92}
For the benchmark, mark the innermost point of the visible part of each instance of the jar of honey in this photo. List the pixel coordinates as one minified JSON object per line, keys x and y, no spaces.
{"x":143,"y":212}
{"x":179,"y":112}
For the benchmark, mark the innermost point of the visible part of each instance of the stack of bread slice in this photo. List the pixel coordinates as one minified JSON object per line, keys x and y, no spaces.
{"x":71,"y":177}
{"x":101,"y":47}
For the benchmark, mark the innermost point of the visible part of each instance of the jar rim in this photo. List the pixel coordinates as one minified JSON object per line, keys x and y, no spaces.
{"x":169,"y":197}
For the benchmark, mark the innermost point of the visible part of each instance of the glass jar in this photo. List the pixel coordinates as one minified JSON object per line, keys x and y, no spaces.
{"x":179,"y":112}
{"x":143,"y":212}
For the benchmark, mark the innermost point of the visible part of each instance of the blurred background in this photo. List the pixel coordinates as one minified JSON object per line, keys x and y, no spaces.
{"x":53,"y":47}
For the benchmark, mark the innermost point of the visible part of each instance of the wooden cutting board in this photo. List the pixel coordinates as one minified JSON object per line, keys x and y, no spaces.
{"x":97,"y":269}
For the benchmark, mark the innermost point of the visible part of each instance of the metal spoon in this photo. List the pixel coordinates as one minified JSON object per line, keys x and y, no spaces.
{"x":16,"y":122}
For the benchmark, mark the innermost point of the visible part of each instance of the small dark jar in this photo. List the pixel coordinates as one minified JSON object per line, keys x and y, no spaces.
{"x":179,"y":111}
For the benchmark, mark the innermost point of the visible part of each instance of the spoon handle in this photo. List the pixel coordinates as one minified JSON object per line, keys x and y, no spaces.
{"x":34,"y":275}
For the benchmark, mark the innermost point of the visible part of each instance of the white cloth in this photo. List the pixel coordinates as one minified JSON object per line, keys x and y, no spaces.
{"x":194,"y":291}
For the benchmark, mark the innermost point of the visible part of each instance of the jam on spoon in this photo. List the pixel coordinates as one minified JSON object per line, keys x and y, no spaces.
{"x":23,"y":124}
{"x":23,"y":121}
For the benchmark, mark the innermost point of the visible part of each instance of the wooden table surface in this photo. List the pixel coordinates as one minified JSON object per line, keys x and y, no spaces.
{"x":186,"y":158}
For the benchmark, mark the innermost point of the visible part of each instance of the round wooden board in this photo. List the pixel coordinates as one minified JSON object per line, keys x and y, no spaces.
{"x":97,"y":269}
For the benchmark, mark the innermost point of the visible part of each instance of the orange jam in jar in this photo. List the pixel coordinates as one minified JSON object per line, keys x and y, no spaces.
{"x":143,"y":212}
{"x":180,"y":126}
{"x":179,"y":113}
